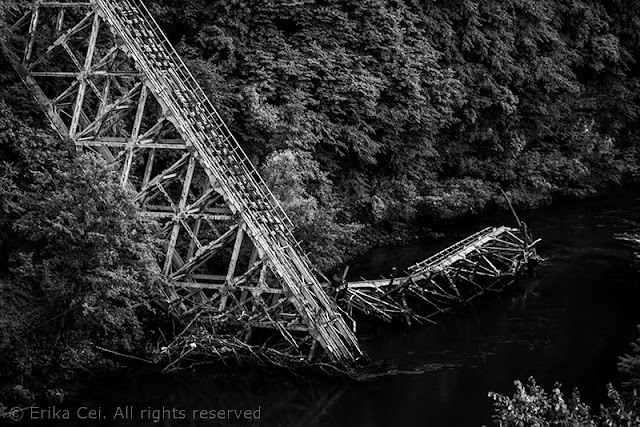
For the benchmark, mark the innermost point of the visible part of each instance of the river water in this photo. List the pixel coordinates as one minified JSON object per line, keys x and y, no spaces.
{"x":568,"y":322}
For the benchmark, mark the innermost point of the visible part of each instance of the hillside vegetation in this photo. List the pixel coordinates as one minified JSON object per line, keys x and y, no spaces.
{"x":383,"y":112}
{"x":362,"y":114}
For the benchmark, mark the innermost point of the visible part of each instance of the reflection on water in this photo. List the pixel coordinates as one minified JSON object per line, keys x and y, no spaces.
{"x":569,"y":322}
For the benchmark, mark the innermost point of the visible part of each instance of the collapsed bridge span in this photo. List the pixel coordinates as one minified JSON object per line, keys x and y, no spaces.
{"x":484,"y":261}
{"x":109,"y":81}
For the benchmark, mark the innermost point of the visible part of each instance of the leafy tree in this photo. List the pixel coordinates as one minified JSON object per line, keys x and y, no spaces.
{"x":629,"y":365}
{"x":75,"y":269}
{"x":289,"y":174}
{"x":531,"y":406}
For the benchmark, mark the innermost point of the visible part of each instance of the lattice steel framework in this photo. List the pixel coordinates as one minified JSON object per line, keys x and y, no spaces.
{"x":110,"y":81}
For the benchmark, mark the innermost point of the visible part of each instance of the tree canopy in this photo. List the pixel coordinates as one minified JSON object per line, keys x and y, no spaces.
{"x":76,"y":269}
{"x":423,"y":109}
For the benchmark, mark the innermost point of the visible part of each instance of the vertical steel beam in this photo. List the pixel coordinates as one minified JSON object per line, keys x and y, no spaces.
{"x":35,"y":15}
{"x":135,"y":133}
{"x":82,"y":87}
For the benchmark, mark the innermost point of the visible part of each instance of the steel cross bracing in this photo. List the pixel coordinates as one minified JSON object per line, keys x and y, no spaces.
{"x":110,"y":81}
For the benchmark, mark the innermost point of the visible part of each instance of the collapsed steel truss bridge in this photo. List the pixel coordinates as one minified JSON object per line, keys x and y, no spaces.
{"x":110,"y":81}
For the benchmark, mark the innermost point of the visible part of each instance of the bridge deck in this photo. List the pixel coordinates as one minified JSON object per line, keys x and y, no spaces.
{"x":458,"y":251}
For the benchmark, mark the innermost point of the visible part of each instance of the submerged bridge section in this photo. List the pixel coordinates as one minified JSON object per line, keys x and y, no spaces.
{"x":484,"y":261}
{"x":110,"y":81}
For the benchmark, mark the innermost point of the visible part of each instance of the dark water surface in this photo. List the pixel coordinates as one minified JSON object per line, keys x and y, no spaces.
{"x":569,"y":322}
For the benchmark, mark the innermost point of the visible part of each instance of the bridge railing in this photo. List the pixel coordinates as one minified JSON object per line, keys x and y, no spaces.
{"x":447,"y":253}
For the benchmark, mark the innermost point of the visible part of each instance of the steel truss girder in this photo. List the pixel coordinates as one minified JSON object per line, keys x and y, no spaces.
{"x":455,"y":275}
{"x":108,"y":80}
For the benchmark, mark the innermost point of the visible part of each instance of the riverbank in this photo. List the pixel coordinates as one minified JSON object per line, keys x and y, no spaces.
{"x":569,"y":322}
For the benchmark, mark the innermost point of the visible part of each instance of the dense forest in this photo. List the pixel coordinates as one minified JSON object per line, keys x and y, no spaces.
{"x":385,"y":115}
{"x":388,"y":112}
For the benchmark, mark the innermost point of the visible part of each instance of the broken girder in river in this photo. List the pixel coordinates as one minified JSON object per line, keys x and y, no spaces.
{"x":485,"y":261}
